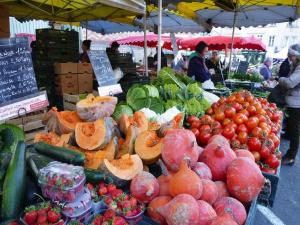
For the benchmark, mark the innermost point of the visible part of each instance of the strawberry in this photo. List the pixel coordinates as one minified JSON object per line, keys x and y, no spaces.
{"x":118,"y":221}
{"x":13,"y":223}
{"x":126,"y":204}
{"x":54,"y":215}
{"x":42,"y":211}
{"x":133,"y":202}
{"x":111,"y":187}
{"x":60,"y":222}
{"x":102,"y":191}
{"x":108,"y":200}
{"x":98,"y":220}
{"x":69,"y":196}
{"x":116,"y":193}
{"x":30,"y":215}
{"x":102,"y":184}
{"x":42,"y":218}
{"x":129,"y":214}
{"x":109,"y":214}
{"x":44,"y":223}
{"x":90,"y":186}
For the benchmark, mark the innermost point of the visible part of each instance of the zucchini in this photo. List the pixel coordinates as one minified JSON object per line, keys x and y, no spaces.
{"x":10,"y":135}
{"x":4,"y":162}
{"x":60,"y":153}
{"x":14,"y":184}
{"x":36,"y":162}
{"x":95,"y":176}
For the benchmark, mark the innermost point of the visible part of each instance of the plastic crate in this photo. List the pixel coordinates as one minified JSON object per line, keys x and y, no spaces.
{"x":238,"y":84}
{"x":219,"y":92}
{"x":251,"y":211}
{"x":268,"y":193}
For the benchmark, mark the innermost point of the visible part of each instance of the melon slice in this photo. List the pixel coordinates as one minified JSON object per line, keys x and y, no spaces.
{"x":53,"y":139}
{"x":148,"y":146}
{"x":128,"y":146}
{"x":122,"y":170}
{"x":93,"y":108}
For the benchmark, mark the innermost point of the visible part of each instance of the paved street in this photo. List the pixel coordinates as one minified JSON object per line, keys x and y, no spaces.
{"x":287,"y":202}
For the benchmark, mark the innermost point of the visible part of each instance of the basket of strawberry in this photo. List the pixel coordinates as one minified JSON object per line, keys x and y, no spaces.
{"x":42,"y":213}
{"x":108,"y":218}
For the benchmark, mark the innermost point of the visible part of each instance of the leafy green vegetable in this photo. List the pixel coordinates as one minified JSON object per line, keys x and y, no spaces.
{"x":194,"y":90}
{"x":151,"y":91}
{"x":120,"y":109}
{"x":168,"y":77}
{"x":171,"y":103}
{"x":171,"y":91}
{"x":135,"y":93}
{"x":193,"y":107}
{"x":157,"y":105}
{"x":204,"y":103}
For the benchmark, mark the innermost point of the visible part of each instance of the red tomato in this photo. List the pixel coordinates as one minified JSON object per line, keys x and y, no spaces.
{"x":275,"y":139}
{"x":249,"y":99}
{"x":195,"y":131}
{"x":257,"y":132}
{"x":222,"y":100}
{"x":195,"y":124}
{"x":219,"y":116}
{"x":276,"y":117}
{"x":272,"y":161}
{"x":216,"y":124}
{"x":256,"y":156}
{"x":235,"y":143}
{"x":264,"y":152}
{"x":269,"y":144}
{"x":217,"y":131}
{"x":245,"y":105}
{"x":252,"y":110}
{"x":252,"y":122}
{"x":203,"y":137}
{"x":206,"y":119}
{"x":205,"y":127}
{"x":209,"y":111}
{"x":260,"y":111}
{"x":232,"y":125}
{"x":192,"y":119}
{"x":254,"y":144}
{"x":229,"y":112}
{"x":228,"y":132}
{"x":242,"y":128}
{"x":230,"y":99}
{"x":273,"y":105}
{"x":238,"y":107}
{"x":226,"y":121}
{"x":214,"y":106}
{"x":240,"y":118}
{"x":244,"y":111}
{"x":239,"y":98}
{"x":261,"y":118}
{"x":274,"y":130}
{"x":243,"y":137}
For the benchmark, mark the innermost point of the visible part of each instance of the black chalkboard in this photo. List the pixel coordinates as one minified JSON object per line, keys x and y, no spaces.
{"x":102,"y":68}
{"x":17,"y":78}
{"x":243,"y":67}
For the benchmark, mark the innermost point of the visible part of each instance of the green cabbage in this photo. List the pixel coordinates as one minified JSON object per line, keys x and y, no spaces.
{"x":171,"y":103}
{"x":135,"y":93}
{"x":151,"y":91}
{"x":171,"y":90}
{"x":120,"y":109}
{"x":194,"y":89}
{"x":193,"y":107}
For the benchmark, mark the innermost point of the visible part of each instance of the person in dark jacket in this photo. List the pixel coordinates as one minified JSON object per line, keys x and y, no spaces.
{"x":85,"y":46}
{"x":197,"y":67}
{"x":215,"y":64}
{"x":284,"y":69}
{"x":164,"y":61}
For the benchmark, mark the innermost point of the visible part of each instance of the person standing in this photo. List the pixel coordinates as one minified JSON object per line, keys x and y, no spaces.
{"x":265,"y":70}
{"x":85,"y":46}
{"x":164,"y":61}
{"x":291,"y":84}
{"x":284,"y":68}
{"x":215,"y":64}
{"x":197,"y":67}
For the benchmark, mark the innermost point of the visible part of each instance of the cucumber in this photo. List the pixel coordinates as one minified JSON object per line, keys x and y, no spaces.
{"x":4,"y":162}
{"x":95,"y":176}
{"x":36,"y":162}
{"x":60,"y":153}
{"x":14,"y":184}
{"x":10,"y":135}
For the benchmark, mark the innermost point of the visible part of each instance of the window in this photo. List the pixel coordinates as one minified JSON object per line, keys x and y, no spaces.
{"x":271,"y":41}
{"x":259,"y":36}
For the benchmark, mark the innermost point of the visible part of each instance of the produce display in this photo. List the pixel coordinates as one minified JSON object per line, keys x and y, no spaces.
{"x":248,"y":123}
{"x":254,"y":77}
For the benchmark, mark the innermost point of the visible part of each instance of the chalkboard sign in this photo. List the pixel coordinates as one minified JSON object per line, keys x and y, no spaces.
{"x":102,"y":68}
{"x":243,"y":67}
{"x":17,"y":78}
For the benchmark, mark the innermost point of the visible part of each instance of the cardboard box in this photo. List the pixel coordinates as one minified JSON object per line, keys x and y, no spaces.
{"x":66,"y":83}
{"x":84,"y":68}
{"x":64,"y":68}
{"x":85,"y":83}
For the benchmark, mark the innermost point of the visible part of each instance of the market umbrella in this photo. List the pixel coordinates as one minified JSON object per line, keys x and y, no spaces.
{"x":152,"y":40}
{"x":73,"y":11}
{"x":241,"y":13}
{"x":223,"y":42}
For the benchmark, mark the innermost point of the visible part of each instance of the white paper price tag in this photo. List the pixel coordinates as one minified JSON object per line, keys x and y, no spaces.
{"x":26,"y":105}
{"x":110,"y":90}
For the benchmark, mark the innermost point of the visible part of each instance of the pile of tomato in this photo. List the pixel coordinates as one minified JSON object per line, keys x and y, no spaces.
{"x":248,"y":122}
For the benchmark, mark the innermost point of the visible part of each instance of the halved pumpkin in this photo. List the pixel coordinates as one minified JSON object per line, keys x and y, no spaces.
{"x":63,"y":122}
{"x":175,"y":123}
{"x":94,"y":159}
{"x":140,"y":121}
{"x":93,"y":135}
{"x":111,"y":149}
{"x":148,"y":146}
{"x":52,"y":138}
{"x":93,"y":108}
{"x":128,"y":146}
{"x":124,"y":123}
{"x":122,"y":170}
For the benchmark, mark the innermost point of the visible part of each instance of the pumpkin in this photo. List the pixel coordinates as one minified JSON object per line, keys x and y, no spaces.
{"x":144,"y":187}
{"x":222,"y":189}
{"x":186,"y":176}
{"x":138,"y":120}
{"x":181,"y":210}
{"x":210,"y":191}
{"x":128,"y":146}
{"x":53,"y":139}
{"x":232,"y":207}
{"x":94,"y":135}
{"x":176,"y":145}
{"x":223,"y":220}
{"x":63,"y":122}
{"x":175,"y":123}
{"x":207,"y":213}
{"x":202,"y":170}
{"x":218,"y":157}
{"x":244,"y":179}
{"x":124,"y":123}
{"x":122,"y":170}
{"x":148,"y":147}
{"x":244,"y":153}
{"x":94,"y":159}
{"x":154,"y":204}
{"x":93,"y":108}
